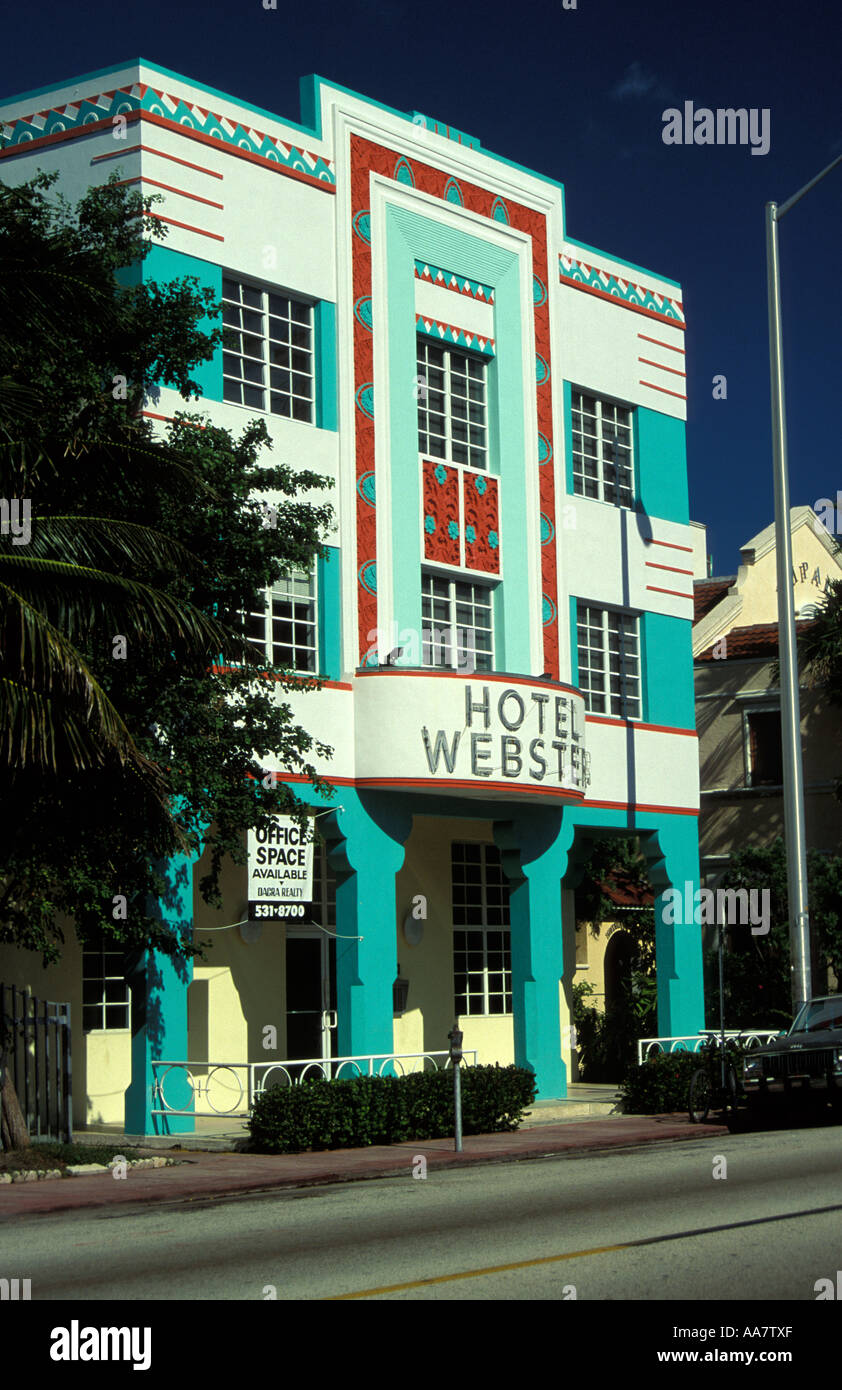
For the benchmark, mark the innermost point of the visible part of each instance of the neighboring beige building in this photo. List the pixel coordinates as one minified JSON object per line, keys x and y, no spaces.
{"x":735,"y":646}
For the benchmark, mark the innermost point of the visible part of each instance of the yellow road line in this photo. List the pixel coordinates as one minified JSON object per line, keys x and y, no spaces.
{"x":476,"y":1273}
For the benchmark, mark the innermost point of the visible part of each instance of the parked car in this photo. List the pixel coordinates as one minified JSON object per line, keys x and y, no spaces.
{"x":803,"y":1064}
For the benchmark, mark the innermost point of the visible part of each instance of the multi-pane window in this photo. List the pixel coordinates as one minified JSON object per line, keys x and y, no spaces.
{"x":602,"y":450}
{"x":482,"y":961}
{"x":324,"y":887}
{"x":105,"y":993}
{"x":267,"y":350}
{"x":457,"y":625}
{"x":452,"y":412}
{"x":609,"y":661}
{"x":283,"y":623}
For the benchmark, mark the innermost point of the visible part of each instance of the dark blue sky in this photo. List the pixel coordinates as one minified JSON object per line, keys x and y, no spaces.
{"x":578,"y":95}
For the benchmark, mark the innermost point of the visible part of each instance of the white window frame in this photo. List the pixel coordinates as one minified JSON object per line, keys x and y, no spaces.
{"x":485,"y":929}
{"x":424,"y":345}
{"x":579,"y":480}
{"x":617,"y":705}
{"x":263,"y":366}
{"x":268,"y":644}
{"x":451,"y":626}
{"x":94,"y":955}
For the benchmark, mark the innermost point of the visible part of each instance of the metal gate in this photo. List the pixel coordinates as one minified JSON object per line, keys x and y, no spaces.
{"x":37,"y":1033}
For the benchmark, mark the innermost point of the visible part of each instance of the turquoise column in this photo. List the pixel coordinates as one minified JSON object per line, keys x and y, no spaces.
{"x":672,"y":852}
{"x":535,"y":847}
{"x":366,"y":838}
{"x":159,"y":986}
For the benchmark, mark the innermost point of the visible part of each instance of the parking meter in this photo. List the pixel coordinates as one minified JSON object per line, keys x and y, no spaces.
{"x":455,"y":1036}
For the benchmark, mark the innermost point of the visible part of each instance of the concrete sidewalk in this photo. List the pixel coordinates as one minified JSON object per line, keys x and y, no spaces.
{"x":208,"y":1175}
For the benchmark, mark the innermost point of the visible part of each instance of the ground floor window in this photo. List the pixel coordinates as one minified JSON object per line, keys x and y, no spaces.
{"x":482,"y":960}
{"x":105,"y":993}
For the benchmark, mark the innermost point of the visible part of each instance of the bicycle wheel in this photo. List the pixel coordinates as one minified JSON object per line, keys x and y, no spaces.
{"x":701,"y":1096}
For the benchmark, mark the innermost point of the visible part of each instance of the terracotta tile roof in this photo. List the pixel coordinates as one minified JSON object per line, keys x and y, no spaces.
{"x":707,"y":594}
{"x":759,"y":640}
{"x":625,"y":891}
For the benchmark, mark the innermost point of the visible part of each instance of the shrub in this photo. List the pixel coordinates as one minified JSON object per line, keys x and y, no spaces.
{"x":660,"y":1086}
{"x":319,"y":1114}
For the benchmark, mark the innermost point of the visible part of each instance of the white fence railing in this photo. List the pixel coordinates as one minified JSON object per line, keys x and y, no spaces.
{"x":230,"y":1088}
{"x":691,"y":1042}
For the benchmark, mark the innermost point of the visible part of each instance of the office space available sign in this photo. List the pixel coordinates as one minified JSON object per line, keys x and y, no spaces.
{"x":280,"y":871}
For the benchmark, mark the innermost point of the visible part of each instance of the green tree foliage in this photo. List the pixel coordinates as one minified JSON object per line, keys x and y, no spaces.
{"x":758,"y":987}
{"x":113,"y":765}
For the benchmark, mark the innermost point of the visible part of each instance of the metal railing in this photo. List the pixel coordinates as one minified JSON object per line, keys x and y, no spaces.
{"x":691,"y":1042}
{"x":231,"y":1088}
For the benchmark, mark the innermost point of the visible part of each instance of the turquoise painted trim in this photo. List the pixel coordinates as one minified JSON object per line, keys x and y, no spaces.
{"x":129,"y":66}
{"x":574,"y":641}
{"x":134,"y":63}
{"x":470,"y":341}
{"x":567,"y":394}
{"x":442,"y":279}
{"x":609,"y":255}
{"x":311,"y":110}
{"x":534,"y":848}
{"x":159,"y":1012}
{"x":366,"y":839}
{"x":162,"y":265}
{"x":661,"y":460}
{"x":410,"y":236}
{"x":324,"y":320}
{"x":330,"y":641}
{"x":671,"y":846}
{"x":629,"y":292}
{"x":667,"y":664}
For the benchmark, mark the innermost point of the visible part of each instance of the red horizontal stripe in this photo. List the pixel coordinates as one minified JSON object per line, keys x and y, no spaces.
{"x":477,"y":676}
{"x":171,"y":222}
{"x":152,"y":415}
{"x":438,"y":783}
{"x":674,"y":592}
{"x":653,"y":387}
{"x":671,"y":545}
{"x":260,"y":159}
{"x":636,"y":724}
{"x":652,"y":565}
{"x":131,"y":116}
{"x":660,"y":343}
{"x":661,"y":367}
{"x":182,"y":193}
{"x":643,"y":807}
{"x":621,"y":303}
{"x":147,"y":149}
{"x":306,"y":682}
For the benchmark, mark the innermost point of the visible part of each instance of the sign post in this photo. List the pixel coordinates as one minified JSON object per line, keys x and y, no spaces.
{"x":455,"y":1037}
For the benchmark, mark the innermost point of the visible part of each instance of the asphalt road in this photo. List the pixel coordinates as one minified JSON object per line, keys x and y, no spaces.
{"x":651,"y":1223}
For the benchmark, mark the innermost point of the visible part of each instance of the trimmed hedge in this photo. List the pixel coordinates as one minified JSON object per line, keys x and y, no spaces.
{"x":661,"y":1085}
{"x":319,"y":1114}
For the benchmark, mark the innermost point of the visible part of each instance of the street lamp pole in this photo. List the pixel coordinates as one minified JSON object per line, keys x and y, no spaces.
{"x":795,"y":838}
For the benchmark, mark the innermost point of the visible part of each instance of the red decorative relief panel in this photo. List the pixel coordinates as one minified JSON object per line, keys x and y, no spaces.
{"x":441,"y":513}
{"x":482,"y":522}
{"x":365,"y":159}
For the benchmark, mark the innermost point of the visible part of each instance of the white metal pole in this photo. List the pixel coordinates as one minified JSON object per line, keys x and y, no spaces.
{"x":795,"y":837}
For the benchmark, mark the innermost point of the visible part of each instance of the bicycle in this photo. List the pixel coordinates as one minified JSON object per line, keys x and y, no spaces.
{"x":714,"y":1085}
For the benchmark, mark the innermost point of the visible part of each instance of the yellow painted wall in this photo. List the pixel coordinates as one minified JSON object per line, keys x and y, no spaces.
{"x":101,"y":1060}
